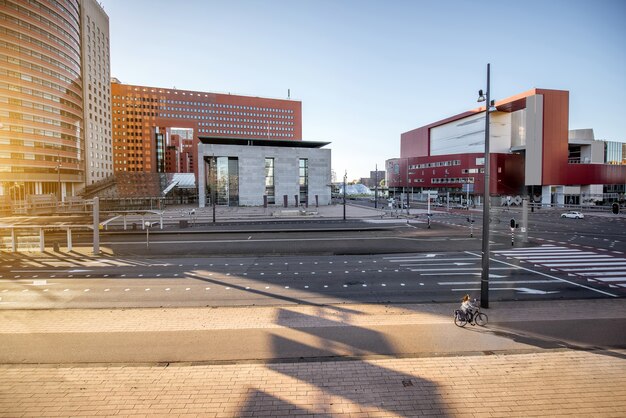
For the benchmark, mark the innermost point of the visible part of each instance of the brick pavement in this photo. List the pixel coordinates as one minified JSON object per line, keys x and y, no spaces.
{"x":554,"y":383}
{"x":557,"y":382}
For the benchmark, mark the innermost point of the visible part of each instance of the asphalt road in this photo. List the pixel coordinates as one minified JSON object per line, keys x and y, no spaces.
{"x":516,"y":274}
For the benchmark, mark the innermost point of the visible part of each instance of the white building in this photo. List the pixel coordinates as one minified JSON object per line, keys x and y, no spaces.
{"x":96,"y":91}
{"x":247,"y":172}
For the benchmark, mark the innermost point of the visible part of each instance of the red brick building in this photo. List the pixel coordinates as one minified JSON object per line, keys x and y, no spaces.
{"x":532,"y":153}
{"x":144,"y":116}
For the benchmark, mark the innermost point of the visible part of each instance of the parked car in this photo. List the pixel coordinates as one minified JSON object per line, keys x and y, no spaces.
{"x":574,"y":215}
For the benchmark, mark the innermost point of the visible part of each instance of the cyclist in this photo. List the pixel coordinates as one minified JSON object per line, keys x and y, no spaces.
{"x":467,"y":307}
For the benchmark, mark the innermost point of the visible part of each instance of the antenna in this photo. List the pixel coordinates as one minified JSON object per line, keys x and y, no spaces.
{"x":288,"y":93}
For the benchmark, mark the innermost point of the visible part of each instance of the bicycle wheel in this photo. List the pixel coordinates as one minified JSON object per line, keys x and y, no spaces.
{"x":481,"y":319}
{"x":459,"y":319}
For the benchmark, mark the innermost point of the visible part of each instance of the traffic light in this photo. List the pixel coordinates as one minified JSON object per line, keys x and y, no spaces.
{"x":512,"y":223}
{"x":615,"y":208}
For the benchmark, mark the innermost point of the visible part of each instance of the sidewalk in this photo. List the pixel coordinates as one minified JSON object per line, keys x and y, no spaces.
{"x":566,"y":383}
{"x":526,"y":382}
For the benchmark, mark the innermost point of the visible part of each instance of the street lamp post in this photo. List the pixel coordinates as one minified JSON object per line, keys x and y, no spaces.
{"x":147,"y":225}
{"x":376,"y":188}
{"x":345,"y":177}
{"x":59,"y":177}
{"x":484,"y":277}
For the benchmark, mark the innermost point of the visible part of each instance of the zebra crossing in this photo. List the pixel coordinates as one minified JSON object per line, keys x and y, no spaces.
{"x":589,"y":265}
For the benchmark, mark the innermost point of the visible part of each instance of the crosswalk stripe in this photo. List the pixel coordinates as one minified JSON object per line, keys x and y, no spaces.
{"x":590,"y":264}
{"x":615,"y":263}
{"x":579,"y":255}
{"x":569,"y":259}
{"x":601,"y":273}
{"x":611,"y":267}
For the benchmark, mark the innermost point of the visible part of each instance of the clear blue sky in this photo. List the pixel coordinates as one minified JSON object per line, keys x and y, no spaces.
{"x":366,"y":71}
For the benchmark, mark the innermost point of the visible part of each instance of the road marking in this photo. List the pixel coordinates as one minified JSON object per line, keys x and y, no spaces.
{"x":518,"y":289}
{"x":596,"y":268}
{"x":552,"y":277}
{"x":467,"y":269}
{"x":497,"y":282}
{"x":429,"y":261}
{"x":617,"y":263}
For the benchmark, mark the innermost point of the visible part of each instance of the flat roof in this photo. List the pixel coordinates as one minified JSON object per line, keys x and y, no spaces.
{"x":262,"y":142}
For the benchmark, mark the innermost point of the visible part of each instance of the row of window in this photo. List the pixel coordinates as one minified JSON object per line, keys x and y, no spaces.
{"x":226,"y":112}
{"x":459,"y":180}
{"x":203,"y":104}
{"x":176,"y":115}
{"x":260,"y":133}
{"x":436,"y":164}
{"x":228,"y":125}
{"x":264,"y":122}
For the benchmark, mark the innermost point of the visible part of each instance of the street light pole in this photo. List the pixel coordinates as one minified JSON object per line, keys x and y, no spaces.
{"x":484,"y":278}
{"x":345,"y":176}
{"x":59,"y":177}
{"x":376,"y":188}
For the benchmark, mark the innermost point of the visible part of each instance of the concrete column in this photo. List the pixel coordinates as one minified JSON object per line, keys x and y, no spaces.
{"x":69,"y":239}
{"x":201,"y":178}
{"x":96,"y":226}
{"x":560,"y":196}
{"x":546,"y":195}
{"x":42,"y":243}
{"x":525,"y":220}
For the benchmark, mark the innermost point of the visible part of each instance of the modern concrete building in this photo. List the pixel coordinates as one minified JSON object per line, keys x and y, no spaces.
{"x":248,"y":172}
{"x":144,"y":119}
{"x":97,"y":92}
{"x":54,"y":57}
{"x":532,"y":153}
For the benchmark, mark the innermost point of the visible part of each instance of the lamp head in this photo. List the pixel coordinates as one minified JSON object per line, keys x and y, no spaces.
{"x":481,"y":96}
{"x":147,"y":223}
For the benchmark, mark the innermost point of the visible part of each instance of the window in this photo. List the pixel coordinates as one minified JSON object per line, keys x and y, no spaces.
{"x":270,"y":191}
{"x":304,"y":180}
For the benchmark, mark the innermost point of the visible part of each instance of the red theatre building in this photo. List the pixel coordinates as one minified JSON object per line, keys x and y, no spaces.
{"x":532,"y":153}
{"x":156,"y":130}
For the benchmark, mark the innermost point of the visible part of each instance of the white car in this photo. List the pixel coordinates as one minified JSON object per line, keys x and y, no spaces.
{"x":574,"y":215}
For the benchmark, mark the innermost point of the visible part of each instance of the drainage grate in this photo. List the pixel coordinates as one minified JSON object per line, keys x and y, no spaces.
{"x":406,"y":383}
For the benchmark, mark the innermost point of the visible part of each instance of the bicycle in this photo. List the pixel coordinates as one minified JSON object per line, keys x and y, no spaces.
{"x":473,"y":317}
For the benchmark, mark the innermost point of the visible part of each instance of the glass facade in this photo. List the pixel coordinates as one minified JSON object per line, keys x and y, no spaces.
{"x":41,"y":98}
{"x":615,"y":152}
{"x":223,"y":180}
{"x":270,"y":191}
{"x":304,"y":180}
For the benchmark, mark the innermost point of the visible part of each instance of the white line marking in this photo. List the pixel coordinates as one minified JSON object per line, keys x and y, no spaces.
{"x":617,"y":263}
{"x":497,"y":282}
{"x":553,"y":277}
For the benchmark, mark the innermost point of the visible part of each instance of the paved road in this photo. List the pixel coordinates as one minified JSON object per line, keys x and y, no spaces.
{"x":595,"y":230}
{"x":542,"y":272}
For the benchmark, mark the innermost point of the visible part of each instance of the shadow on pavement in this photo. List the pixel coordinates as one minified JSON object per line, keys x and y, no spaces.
{"x":260,"y":403}
{"x":404,"y":393}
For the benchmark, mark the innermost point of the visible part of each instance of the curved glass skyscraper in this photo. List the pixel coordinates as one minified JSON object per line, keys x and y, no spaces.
{"x":45,"y":104}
